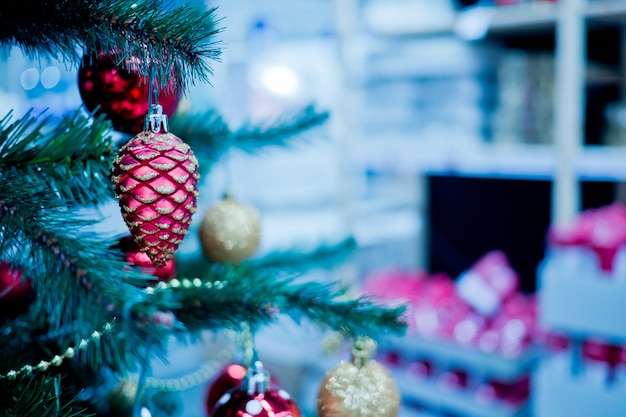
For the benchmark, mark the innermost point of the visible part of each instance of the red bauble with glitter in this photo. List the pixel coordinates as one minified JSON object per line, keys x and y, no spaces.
{"x":121,"y":94}
{"x":232,"y":376}
{"x":155,"y":177}
{"x":229,"y":377}
{"x":255,"y":396}
{"x":16,"y":292}
{"x":240,"y":403}
{"x":134,"y":255}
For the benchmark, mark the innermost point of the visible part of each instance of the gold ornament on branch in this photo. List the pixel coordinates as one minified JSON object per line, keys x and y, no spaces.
{"x":359,"y":388}
{"x":230,"y":231}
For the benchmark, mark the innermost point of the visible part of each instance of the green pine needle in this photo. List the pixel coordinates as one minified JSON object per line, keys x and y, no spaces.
{"x":72,"y":158}
{"x":325,"y":256}
{"x":44,"y":396}
{"x":177,"y":40}
{"x":229,"y":295}
{"x":210,"y":136}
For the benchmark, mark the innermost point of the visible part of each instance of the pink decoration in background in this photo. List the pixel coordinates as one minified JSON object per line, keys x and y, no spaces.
{"x":602,"y":230}
{"x":488,"y":283}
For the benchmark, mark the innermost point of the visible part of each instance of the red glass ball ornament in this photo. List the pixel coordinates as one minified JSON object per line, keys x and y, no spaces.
{"x":229,"y":377}
{"x":121,"y":94}
{"x":16,"y":292}
{"x":240,"y":403}
{"x":295,"y":410}
{"x":134,"y":255}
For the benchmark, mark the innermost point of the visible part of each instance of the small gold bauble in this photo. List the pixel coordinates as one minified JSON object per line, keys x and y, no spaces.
{"x":351,"y":390}
{"x":230,"y":232}
{"x":123,"y":396}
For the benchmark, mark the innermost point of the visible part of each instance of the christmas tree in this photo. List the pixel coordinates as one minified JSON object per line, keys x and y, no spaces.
{"x":77,"y":306}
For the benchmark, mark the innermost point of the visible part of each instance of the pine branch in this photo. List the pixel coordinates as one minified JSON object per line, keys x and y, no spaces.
{"x":354,"y":317}
{"x":294,"y":260}
{"x":78,"y":278}
{"x":230,"y":295}
{"x":44,"y":396}
{"x":210,"y":137}
{"x":72,"y":159}
{"x":279,"y":132}
{"x":207,"y":133}
{"x":322,"y":257}
{"x":177,"y":40}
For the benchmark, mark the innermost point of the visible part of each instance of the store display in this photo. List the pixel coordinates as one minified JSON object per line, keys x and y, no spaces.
{"x":455,"y":311}
{"x":230,"y":231}
{"x":582,"y":293}
{"x":471,"y":360}
{"x":155,"y":176}
{"x":121,"y":94}
{"x":601,"y":231}
{"x":488,"y":283}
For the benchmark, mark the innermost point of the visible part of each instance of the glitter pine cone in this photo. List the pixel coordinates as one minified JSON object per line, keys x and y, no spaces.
{"x":155,"y":176}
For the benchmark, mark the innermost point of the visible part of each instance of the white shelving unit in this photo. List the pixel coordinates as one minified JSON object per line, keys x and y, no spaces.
{"x":476,"y":362}
{"x":458,"y":403}
{"x":492,"y":160}
{"x":566,"y":162}
{"x":507,"y":19}
{"x":583,"y":305}
{"x":445,"y":355}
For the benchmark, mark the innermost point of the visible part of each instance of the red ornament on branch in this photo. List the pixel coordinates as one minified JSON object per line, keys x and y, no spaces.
{"x":121,"y":94}
{"x":255,"y":396}
{"x":134,"y":255}
{"x":229,"y":377}
{"x":16,"y":292}
{"x":155,"y":177}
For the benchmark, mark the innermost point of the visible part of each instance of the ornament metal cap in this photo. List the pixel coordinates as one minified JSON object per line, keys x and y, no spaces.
{"x":257,"y":379}
{"x":363,"y":350}
{"x":156,"y":120}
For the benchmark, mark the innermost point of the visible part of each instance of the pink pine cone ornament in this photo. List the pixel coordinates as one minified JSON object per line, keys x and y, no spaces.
{"x":155,"y":176}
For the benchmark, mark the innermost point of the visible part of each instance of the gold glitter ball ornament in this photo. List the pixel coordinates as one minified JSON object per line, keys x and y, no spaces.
{"x":360,"y":388}
{"x":230,"y":232}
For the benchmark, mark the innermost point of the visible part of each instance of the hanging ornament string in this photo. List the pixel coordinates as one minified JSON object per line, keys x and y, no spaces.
{"x":155,"y":121}
{"x":228,"y":169}
{"x":247,"y":341}
{"x":57,"y":360}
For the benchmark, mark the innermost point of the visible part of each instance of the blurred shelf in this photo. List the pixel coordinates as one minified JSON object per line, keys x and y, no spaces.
{"x":573,"y":301}
{"x":557,"y":393}
{"x":523,"y":17}
{"x":501,"y":20}
{"x":453,"y":401}
{"x":607,"y":10}
{"x":497,"y":160}
{"x":476,"y":362}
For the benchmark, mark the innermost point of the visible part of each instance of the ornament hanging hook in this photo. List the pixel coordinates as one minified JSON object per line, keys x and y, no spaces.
{"x":363,"y":349}
{"x":156,"y":120}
